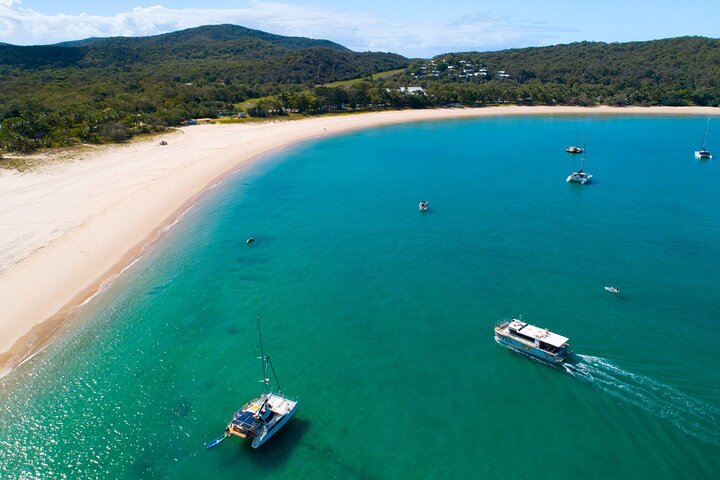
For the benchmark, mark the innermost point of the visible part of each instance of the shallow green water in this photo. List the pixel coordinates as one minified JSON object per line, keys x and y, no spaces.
{"x":379,"y":318}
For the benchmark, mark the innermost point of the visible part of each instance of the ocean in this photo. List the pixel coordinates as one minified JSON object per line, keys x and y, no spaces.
{"x":379,"y":318}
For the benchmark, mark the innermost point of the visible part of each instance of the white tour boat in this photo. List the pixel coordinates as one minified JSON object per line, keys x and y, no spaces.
{"x":537,"y":342}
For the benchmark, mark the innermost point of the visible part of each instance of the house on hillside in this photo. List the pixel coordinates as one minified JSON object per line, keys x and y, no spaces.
{"x":418,"y":90}
{"x":408,"y":90}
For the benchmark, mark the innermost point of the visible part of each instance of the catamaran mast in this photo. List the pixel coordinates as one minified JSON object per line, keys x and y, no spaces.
{"x":263,"y":360}
{"x":707,"y":125}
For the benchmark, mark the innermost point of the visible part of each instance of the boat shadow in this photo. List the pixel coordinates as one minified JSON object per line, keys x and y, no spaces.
{"x":280,"y":447}
{"x":584,"y":185}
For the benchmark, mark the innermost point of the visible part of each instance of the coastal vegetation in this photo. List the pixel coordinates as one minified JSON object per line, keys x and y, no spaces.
{"x":674,"y":72}
{"x":110,"y":89}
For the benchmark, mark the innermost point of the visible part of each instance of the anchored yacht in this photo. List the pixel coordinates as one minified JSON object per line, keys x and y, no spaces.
{"x":703,"y":153}
{"x":260,"y":418}
{"x":580,"y":176}
{"x":574,"y":149}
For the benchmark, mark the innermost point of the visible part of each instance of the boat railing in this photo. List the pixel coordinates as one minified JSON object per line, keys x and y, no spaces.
{"x":502,"y":323}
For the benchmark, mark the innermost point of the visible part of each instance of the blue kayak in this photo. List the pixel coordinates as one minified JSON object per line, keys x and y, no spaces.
{"x":217,"y":440}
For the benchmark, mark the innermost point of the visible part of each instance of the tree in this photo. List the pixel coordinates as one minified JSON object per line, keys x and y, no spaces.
{"x":17,"y":134}
{"x":114,"y":131}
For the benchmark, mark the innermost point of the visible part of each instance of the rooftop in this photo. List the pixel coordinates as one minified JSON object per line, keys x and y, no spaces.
{"x":542,"y":334}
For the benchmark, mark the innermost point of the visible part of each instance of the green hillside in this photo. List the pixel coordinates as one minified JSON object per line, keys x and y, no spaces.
{"x":108,"y":89}
{"x":674,"y":71}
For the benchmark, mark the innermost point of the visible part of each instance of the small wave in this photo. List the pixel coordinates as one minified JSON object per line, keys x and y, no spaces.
{"x":107,"y":283}
{"x":167,"y":227}
{"x":690,"y":415}
{"x":31,"y":357}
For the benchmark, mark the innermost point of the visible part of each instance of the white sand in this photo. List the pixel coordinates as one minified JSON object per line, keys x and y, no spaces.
{"x":64,"y":229}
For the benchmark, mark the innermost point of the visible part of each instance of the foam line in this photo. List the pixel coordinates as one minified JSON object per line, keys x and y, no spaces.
{"x":690,"y":415}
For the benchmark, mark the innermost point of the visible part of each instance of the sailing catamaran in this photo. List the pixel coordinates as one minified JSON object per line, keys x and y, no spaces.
{"x":580,"y":176}
{"x":575,"y":148}
{"x":703,"y":153}
{"x":261,"y":417}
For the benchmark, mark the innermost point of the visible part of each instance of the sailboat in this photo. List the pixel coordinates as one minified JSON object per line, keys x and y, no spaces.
{"x":260,"y":418}
{"x":580,"y":176}
{"x":703,"y":153}
{"x":575,"y":148}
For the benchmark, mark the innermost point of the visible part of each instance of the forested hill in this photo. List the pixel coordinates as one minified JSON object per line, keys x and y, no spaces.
{"x":216,"y":45}
{"x":108,"y":89}
{"x":674,"y":71}
{"x":217,"y":35}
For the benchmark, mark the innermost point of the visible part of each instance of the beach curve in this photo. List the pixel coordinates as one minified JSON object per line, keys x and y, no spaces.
{"x":102,"y":212}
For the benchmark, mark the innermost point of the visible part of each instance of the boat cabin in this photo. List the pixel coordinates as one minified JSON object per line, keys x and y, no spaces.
{"x":703,"y":155}
{"x":538,"y":337}
{"x":242,"y":424}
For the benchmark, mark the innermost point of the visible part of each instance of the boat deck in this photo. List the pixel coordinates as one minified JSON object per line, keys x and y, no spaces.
{"x":280,"y":405}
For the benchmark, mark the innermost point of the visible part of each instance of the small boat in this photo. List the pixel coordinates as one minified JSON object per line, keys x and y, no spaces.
{"x":250,"y":240}
{"x":537,"y":342}
{"x":703,"y":153}
{"x":260,"y":418}
{"x":423,"y":206}
{"x":574,"y":148}
{"x":580,"y":176}
{"x":612,"y":289}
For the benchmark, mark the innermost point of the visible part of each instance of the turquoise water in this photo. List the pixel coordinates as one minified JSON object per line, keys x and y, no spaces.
{"x":379,"y":318}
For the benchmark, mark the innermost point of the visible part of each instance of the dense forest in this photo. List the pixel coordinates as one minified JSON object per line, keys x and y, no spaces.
{"x":108,"y":89}
{"x":675,"y":71}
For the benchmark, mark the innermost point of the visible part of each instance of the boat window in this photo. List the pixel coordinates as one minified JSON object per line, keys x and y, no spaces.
{"x":549,"y":348}
{"x":525,"y":337}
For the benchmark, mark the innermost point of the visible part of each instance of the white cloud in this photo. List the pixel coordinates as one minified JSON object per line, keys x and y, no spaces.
{"x":358,"y":31}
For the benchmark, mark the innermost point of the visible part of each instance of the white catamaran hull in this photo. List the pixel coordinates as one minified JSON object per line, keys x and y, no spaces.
{"x":581,"y":179}
{"x":260,"y":439}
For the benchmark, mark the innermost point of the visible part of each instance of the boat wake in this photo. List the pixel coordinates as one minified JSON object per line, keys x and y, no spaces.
{"x":690,"y":415}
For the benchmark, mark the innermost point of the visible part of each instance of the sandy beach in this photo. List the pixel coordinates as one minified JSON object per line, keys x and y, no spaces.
{"x":66,"y":228}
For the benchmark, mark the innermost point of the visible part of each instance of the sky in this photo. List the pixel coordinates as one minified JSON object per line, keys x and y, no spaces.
{"x":412,"y":28}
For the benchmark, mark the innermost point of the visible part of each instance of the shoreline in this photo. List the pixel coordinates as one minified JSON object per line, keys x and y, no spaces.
{"x":104,"y":211}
